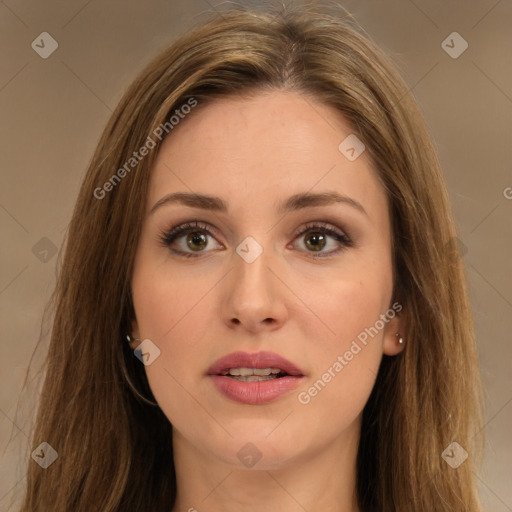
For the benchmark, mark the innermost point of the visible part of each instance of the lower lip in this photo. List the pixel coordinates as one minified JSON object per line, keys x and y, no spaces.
{"x":255,"y":393}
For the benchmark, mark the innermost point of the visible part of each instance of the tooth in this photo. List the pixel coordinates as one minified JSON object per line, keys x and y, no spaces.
{"x":262,"y":371}
{"x":234,"y":371}
{"x":254,"y":378}
{"x":245,"y":371}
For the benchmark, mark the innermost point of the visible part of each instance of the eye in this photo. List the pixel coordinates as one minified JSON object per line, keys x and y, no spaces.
{"x":192,"y":239}
{"x":316,"y":237}
{"x":191,"y":236}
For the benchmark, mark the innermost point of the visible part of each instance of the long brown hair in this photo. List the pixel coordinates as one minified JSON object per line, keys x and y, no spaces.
{"x":115,"y":449}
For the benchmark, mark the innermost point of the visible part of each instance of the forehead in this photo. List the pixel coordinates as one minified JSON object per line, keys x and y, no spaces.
{"x":261,"y":148}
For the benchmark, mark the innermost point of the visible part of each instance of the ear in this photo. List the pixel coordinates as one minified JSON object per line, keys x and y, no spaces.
{"x":135,"y":333}
{"x":396,"y":325}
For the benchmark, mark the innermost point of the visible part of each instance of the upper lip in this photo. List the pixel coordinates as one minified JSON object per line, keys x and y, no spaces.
{"x":254,"y":360}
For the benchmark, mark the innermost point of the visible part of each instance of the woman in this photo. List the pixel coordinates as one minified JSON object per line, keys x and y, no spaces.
{"x":265,"y":226}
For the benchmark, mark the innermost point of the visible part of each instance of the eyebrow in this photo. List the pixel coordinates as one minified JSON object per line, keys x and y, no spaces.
{"x":293,"y":203}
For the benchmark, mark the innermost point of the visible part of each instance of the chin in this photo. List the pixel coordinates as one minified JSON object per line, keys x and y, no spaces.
{"x":258,"y":446}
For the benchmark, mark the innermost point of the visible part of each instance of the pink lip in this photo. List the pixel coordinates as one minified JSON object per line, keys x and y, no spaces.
{"x":255,"y":393}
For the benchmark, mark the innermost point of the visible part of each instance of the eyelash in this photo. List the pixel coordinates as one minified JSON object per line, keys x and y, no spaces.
{"x":168,"y":237}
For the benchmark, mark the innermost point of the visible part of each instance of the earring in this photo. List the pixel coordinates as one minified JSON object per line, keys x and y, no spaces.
{"x":129,"y":339}
{"x":401,"y":341}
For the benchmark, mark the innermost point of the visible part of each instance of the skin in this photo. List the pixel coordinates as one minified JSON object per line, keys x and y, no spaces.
{"x":253,"y":153}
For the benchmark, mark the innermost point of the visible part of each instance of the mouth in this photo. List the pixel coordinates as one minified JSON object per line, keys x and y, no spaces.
{"x":254,"y":367}
{"x":254,"y":378}
{"x":254,"y":374}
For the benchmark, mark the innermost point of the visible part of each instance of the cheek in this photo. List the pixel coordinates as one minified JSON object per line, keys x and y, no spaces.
{"x":346,"y":358}
{"x":355,"y":332}
{"x":167,"y":297}
{"x":173,"y":310}
{"x":351,"y":304}
{"x":178,"y":323}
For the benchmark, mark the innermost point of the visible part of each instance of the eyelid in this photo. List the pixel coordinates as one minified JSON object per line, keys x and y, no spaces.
{"x":315,"y":224}
{"x":186,"y":227}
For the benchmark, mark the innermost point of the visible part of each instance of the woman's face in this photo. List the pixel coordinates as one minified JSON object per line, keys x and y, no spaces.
{"x":271,"y":267}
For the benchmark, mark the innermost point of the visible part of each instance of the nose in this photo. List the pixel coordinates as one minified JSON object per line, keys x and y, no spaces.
{"x":254,"y":298}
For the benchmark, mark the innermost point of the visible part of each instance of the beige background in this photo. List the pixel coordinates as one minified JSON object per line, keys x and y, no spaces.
{"x":53,"y":111}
